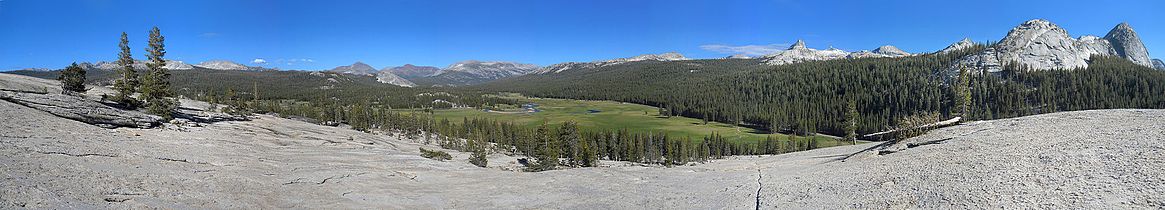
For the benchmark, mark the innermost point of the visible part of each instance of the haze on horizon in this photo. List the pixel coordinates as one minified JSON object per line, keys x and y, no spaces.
{"x":313,"y":35}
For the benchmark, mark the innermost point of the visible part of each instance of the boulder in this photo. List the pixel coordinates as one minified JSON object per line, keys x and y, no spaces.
{"x":80,"y":109}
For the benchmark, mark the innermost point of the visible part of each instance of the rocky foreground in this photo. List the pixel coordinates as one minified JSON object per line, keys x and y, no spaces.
{"x":1079,"y":160}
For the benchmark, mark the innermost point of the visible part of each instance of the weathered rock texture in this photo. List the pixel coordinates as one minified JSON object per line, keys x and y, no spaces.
{"x":1040,"y":44}
{"x":962,"y":44}
{"x":1128,"y":45}
{"x":81,"y":109}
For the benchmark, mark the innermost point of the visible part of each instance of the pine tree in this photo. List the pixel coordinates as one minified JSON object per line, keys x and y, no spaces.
{"x":568,"y":134}
{"x":588,"y":155}
{"x":851,"y":123}
{"x":478,"y":147}
{"x":156,"y":83}
{"x":128,"y":83}
{"x":72,"y":80}
{"x":548,"y":153}
{"x":964,"y":93}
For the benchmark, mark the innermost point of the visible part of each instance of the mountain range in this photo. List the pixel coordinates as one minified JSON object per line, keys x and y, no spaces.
{"x":1037,"y":43}
{"x":360,"y":68}
{"x":800,"y":53}
{"x":177,"y":65}
{"x":410,"y":71}
{"x":558,"y":68}
{"x":458,"y":74}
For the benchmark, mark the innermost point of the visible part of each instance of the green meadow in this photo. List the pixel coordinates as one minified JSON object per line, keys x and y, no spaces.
{"x":599,"y":115}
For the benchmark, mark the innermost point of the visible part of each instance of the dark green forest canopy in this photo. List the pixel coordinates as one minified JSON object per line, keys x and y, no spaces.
{"x":812,"y":96}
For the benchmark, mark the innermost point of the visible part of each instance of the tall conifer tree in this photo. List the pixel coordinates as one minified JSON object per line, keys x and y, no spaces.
{"x":156,"y":83}
{"x":127,"y":84}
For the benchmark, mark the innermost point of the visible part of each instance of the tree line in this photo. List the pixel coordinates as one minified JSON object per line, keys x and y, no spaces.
{"x":548,"y":146}
{"x":815,"y":96}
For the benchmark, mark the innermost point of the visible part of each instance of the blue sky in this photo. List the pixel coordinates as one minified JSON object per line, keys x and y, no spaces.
{"x":313,"y":35}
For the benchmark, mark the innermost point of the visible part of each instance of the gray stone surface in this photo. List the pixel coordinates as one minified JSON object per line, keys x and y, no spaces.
{"x":1042,"y":45}
{"x":962,"y":44}
{"x":1128,"y":45}
{"x":80,"y":109}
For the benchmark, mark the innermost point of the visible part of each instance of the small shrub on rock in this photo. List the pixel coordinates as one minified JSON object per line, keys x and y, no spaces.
{"x":478,"y":158}
{"x":435,"y":155}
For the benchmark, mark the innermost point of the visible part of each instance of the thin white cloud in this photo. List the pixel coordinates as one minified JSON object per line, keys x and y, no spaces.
{"x":750,"y":50}
{"x":259,"y":61}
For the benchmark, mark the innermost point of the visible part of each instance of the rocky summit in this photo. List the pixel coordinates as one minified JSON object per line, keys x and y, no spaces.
{"x":1041,"y":44}
{"x":799,"y":52}
{"x":358,"y":68}
{"x":962,"y":44}
{"x":1128,"y":45}
{"x":1158,"y":64}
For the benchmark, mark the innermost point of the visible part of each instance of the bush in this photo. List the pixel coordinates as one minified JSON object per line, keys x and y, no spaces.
{"x":435,"y":155}
{"x":72,"y":80}
{"x":478,"y":158}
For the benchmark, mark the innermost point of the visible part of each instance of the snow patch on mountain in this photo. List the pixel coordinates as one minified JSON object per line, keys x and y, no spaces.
{"x":799,"y":52}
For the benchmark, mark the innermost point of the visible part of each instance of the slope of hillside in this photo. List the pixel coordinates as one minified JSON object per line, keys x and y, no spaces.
{"x":1086,"y":159}
{"x":473,"y":72}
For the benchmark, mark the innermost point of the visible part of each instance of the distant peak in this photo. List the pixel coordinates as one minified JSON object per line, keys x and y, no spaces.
{"x":887,"y":48}
{"x":1124,"y":25}
{"x":359,"y":68}
{"x":668,"y":56}
{"x":1122,"y":28}
{"x":890,"y":50}
{"x":1037,"y":22}
{"x":800,"y":44}
{"x":1037,"y":25}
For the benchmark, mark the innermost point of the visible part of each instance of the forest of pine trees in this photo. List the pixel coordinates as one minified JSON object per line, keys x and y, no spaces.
{"x":813,"y":97}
